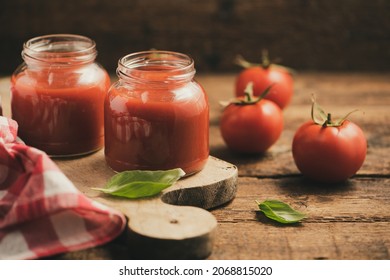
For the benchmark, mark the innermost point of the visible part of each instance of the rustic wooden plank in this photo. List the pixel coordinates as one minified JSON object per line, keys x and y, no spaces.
{"x":347,"y":91}
{"x":343,"y":35}
{"x":341,"y":91}
{"x":348,"y":241}
{"x":256,"y":240}
{"x":359,"y":199}
{"x":278,"y":160}
{"x":349,"y":221}
{"x":157,"y":229}
{"x":5,"y":95}
{"x":338,"y":93}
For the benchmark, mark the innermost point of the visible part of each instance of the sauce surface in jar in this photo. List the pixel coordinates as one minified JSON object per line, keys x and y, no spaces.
{"x":156,"y":115}
{"x":58,"y":95}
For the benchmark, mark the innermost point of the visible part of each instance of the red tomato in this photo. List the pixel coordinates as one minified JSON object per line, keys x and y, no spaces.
{"x":251,"y":128}
{"x":282,"y":91}
{"x":329,"y":153}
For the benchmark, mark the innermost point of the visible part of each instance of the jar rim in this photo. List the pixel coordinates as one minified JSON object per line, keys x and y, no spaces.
{"x":177,"y":65}
{"x":60,"y":49}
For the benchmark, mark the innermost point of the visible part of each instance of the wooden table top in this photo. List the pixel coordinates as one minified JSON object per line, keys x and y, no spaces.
{"x":345,"y":221}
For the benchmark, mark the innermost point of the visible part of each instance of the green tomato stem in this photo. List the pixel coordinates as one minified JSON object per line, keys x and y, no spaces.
{"x":265,"y":62}
{"x":249,"y":93}
{"x":319,"y":116}
{"x":328,"y":121}
{"x":241,"y":61}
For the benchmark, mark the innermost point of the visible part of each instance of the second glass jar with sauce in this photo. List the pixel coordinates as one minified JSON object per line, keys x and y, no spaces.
{"x":156,"y":114}
{"x":58,"y":95}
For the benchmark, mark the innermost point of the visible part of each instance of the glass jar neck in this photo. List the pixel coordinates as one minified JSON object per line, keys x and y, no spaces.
{"x":59,"y":50}
{"x":156,"y":68}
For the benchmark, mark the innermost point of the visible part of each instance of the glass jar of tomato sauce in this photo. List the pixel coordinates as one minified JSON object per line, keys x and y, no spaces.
{"x":156,"y":114}
{"x":57,"y":95}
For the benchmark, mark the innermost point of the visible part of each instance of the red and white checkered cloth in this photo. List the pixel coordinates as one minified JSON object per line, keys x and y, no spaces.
{"x":41,"y":211}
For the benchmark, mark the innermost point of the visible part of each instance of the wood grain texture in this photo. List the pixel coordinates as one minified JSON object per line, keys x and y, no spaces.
{"x":348,"y":221}
{"x":311,"y":35}
{"x":157,"y":229}
{"x":336,"y":93}
{"x":345,"y":221}
{"x":313,"y":241}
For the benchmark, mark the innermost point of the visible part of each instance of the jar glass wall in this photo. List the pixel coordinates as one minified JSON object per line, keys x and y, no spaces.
{"x":57,"y":95}
{"x":156,"y":114}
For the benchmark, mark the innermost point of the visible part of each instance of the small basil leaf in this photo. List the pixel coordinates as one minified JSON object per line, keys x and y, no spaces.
{"x":141,"y":183}
{"x":280,"y":211}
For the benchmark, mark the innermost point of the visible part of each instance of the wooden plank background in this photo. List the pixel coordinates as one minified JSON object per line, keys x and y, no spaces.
{"x":307,"y":35}
{"x":345,"y":221}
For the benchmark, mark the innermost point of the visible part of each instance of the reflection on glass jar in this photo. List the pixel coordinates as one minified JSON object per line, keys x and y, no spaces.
{"x":58,"y":95}
{"x":156,"y":115}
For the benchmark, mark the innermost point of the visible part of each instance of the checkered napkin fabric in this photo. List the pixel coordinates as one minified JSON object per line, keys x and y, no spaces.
{"x":41,"y":211}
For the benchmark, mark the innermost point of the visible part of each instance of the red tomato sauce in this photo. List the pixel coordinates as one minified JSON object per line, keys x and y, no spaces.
{"x":153,"y":129}
{"x":56,"y":118}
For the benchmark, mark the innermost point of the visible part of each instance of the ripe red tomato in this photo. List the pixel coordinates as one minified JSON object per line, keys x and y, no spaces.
{"x":262,"y":77}
{"x":329,"y":153}
{"x":251,"y":127}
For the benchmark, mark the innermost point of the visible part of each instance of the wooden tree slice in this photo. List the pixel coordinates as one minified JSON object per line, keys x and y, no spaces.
{"x":171,"y":225}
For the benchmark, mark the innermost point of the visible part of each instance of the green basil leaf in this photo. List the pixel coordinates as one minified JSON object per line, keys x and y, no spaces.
{"x":141,"y":183}
{"x":280,"y":211}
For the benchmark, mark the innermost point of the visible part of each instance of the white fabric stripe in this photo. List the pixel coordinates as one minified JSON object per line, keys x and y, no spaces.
{"x":57,"y":183}
{"x":13,"y":246}
{"x":3,"y":194}
{"x":70,"y":229}
{"x":101,"y":206}
{"x":3,"y":121}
